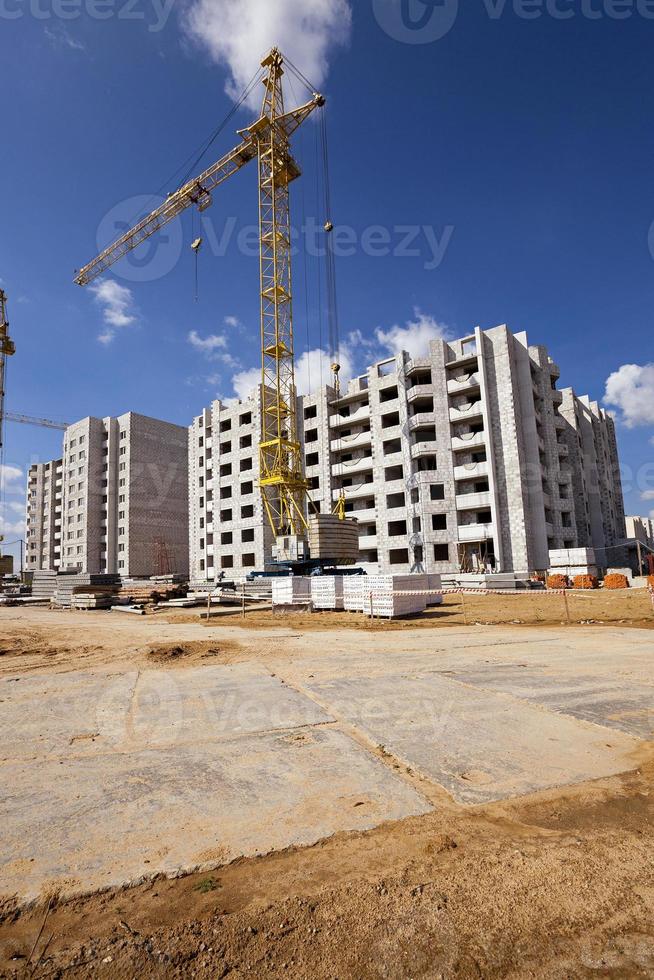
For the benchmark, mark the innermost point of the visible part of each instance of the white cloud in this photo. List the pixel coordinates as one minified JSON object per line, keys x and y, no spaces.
{"x":631,"y":389}
{"x":245,"y":382}
{"x":117,"y":305}
{"x":648,"y":495}
{"x":414,"y":337}
{"x":238,"y":33}
{"x":207,"y":345}
{"x":10,"y":476}
{"x":13,"y":529}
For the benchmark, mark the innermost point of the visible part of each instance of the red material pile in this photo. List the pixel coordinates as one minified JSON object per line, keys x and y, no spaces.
{"x":616,"y":582}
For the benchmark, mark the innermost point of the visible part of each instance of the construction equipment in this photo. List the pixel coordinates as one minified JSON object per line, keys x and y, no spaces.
{"x":283,"y":484}
{"x":7,"y":348}
{"x":29,"y":420}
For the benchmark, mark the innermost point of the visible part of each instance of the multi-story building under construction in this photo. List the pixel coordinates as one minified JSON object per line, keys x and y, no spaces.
{"x":116,"y":503}
{"x":467,"y":458}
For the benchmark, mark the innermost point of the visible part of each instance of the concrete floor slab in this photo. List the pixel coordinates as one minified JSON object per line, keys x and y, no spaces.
{"x":90,"y":822}
{"x":479,"y":745}
{"x":86,"y":713}
{"x":612,"y":702}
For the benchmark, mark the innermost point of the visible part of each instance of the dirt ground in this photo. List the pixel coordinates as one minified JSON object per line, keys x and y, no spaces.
{"x":556,"y":885}
{"x":559,"y":885}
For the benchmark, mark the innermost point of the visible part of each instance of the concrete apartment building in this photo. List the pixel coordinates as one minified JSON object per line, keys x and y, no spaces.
{"x":455,"y":461}
{"x":641,"y":529}
{"x":43,"y":537}
{"x":123,"y":506}
{"x":589,"y":433}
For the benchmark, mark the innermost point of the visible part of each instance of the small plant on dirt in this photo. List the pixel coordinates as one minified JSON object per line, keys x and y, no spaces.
{"x":206,"y":885}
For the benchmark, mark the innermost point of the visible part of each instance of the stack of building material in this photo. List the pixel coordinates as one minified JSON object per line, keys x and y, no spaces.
{"x":291,"y":591}
{"x":434,"y":584}
{"x":44,"y":583}
{"x":69,"y":585}
{"x":151,"y":592}
{"x":327,"y":592}
{"x":92,"y":600}
{"x":392,"y":596}
{"x":334,"y":540}
{"x":354,"y":587}
{"x":573,"y":562}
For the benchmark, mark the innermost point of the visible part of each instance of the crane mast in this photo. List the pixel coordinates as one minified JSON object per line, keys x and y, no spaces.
{"x":283,"y":484}
{"x":282,"y":481}
{"x":7,"y":348}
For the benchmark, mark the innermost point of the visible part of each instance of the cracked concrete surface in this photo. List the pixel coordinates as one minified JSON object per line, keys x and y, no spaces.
{"x":117,"y":772}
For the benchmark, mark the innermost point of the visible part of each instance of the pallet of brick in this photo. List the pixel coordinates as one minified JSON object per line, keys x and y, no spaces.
{"x":333,"y":539}
{"x":394,"y":596}
{"x":563,"y":557}
{"x":354,"y":592}
{"x":327,"y":592}
{"x":292,"y":591}
{"x":434,"y":584}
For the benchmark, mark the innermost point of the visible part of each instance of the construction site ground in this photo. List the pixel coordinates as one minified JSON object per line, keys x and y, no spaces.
{"x":320,"y":796}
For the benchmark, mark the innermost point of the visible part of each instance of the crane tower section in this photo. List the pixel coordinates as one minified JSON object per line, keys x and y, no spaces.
{"x":282,"y":480}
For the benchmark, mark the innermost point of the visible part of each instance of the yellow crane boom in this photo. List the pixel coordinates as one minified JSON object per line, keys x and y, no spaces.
{"x":30,"y":420}
{"x":282,"y":480}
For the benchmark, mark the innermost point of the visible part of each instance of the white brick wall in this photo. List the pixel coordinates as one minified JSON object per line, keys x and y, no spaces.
{"x":448,"y":461}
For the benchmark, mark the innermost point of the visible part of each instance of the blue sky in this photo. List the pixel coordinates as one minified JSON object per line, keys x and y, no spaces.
{"x":488,"y":166}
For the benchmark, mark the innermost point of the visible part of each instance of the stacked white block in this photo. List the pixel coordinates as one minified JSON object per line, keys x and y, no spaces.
{"x":573,"y":561}
{"x":327,"y":592}
{"x":291,"y":591}
{"x":391,"y":596}
{"x":434,"y":584}
{"x":353,"y":593}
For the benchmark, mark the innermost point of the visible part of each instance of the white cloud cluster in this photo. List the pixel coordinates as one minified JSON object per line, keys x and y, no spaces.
{"x":9,"y":477}
{"x":237,"y":33}
{"x":207,"y":345}
{"x":631,"y":390}
{"x":414,"y":337}
{"x":117,"y":305}
{"x":214,"y":347}
{"x":12,"y":513}
{"x":357,"y":352}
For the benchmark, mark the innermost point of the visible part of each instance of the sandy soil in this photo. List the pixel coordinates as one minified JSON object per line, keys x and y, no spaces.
{"x":557,"y":885}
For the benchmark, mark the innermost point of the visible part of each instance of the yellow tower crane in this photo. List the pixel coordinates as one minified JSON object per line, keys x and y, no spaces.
{"x":282,"y":480}
{"x":7,"y":348}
